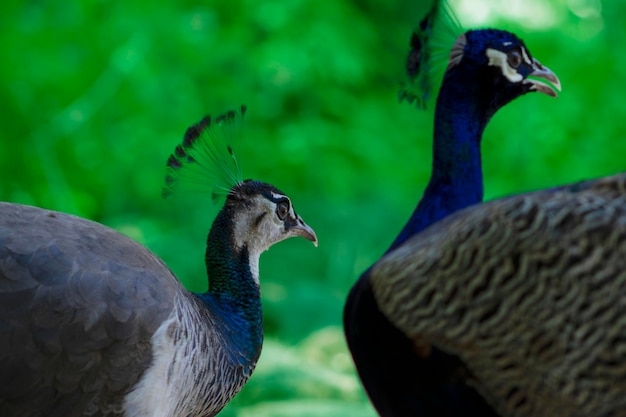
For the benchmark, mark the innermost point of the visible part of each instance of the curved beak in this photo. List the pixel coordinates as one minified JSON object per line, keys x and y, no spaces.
{"x":539,"y":73}
{"x":300,"y":228}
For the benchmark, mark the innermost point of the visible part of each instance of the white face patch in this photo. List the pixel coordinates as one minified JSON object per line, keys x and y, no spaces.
{"x":526,"y":57}
{"x":500,"y":59}
{"x":258,"y":227}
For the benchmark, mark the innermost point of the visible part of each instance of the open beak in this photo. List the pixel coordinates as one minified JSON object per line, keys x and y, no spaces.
{"x":543,"y":73}
{"x":300,"y":228}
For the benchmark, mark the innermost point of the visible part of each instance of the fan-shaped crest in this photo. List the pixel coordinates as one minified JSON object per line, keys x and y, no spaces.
{"x":207,"y":157}
{"x":431,"y":44}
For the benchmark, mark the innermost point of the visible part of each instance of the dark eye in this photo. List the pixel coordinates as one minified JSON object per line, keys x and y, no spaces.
{"x":282,"y":209}
{"x":514,"y":58}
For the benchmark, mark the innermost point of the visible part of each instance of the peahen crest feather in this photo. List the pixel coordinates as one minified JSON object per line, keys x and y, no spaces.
{"x":431,"y":43}
{"x":207,"y":156}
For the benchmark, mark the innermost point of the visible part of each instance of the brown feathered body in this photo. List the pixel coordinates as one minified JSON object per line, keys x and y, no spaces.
{"x":529,"y":291}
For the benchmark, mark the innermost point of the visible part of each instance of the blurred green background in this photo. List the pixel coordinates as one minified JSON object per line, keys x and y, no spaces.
{"x":96,"y":94}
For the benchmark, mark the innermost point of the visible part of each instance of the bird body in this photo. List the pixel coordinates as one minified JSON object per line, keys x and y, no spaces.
{"x":529,"y":291}
{"x":72,"y":299}
{"x":94,"y":324}
{"x":487,"y":69}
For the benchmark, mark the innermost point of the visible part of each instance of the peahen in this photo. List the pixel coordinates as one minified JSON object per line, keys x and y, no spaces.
{"x":529,"y":292}
{"x":486,"y":70}
{"x":94,"y":324}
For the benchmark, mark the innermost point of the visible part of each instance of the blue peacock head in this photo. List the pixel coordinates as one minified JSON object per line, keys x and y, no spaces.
{"x":514,"y":71}
{"x":440,"y":45}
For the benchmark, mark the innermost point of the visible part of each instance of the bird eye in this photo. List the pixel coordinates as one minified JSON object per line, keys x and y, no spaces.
{"x":514,"y":58}
{"x":282,"y":209}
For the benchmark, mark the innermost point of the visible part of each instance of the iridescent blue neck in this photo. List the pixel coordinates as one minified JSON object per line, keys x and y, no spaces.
{"x":242,"y":335}
{"x":233,"y":296}
{"x":456,"y":181}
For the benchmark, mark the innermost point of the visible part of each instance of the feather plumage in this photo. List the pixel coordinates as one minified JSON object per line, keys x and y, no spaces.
{"x":529,"y":291}
{"x":430,"y":46}
{"x":208,"y":155}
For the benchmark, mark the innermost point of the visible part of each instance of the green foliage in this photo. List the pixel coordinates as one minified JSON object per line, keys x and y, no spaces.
{"x":96,"y":94}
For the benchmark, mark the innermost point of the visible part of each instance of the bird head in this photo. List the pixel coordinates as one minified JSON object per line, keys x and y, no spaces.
{"x":263,"y":216}
{"x":495,"y":63}
{"x":260,"y":214}
{"x":501,"y":65}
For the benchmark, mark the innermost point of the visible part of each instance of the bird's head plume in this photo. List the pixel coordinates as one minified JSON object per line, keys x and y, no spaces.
{"x":428,"y":57}
{"x":207,"y":156}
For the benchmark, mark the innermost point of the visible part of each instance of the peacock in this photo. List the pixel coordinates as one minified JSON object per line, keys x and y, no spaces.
{"x":486,"y":69}
{"x":94,"y":324}
{"x":529,"y":292}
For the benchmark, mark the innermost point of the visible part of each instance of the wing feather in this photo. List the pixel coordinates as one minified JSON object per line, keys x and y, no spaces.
{"x":79,"y":303}
{"x":529,"y":291}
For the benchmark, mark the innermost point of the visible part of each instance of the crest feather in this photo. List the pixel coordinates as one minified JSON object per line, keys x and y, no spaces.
{"x":207,"y":156}
{"x":430,"y":43}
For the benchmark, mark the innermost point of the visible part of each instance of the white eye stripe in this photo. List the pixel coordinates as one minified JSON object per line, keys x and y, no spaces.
{"x":279,"y":197}
{"x":500,"y":59}
{"x":526,"y":57}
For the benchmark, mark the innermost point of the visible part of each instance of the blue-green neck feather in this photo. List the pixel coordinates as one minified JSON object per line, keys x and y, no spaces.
{"x":233,"y":295}
{"x":456,"y":180}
